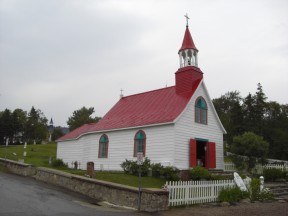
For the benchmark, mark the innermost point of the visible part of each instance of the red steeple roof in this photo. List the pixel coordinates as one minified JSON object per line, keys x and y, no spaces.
{"x":187,"y":41}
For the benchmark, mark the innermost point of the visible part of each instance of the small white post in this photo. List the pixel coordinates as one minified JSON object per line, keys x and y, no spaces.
{"x":24,"y":152}
{"x":261,"y":183}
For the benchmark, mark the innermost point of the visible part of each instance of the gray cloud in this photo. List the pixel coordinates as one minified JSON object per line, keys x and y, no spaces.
{"x":65,"y":54}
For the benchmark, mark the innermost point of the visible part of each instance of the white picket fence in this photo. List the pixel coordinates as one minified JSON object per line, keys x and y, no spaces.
{"x":259,"y":168}
{"x":193,"y":192}
{"x":230,"y":166}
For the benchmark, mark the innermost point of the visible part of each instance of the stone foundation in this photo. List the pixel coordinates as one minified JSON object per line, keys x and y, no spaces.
{"x":121,"y":195}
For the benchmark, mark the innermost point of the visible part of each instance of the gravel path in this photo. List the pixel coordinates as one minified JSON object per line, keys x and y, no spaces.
{"x":243,"y":209}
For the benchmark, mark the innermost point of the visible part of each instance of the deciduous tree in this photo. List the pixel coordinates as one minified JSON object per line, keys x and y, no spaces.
{"x":251,"y":145}
{"x":80,"y":117}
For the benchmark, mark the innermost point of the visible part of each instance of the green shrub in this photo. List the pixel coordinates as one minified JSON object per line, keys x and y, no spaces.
{"x":256,"y":194}
{"x":131,"y":167}
{"x":156,"y":168}
{"x":233,"y":194}
{"x":58,"y":163}
{"x":170,"y":173}
{"x":239,"y":162}
{"x":274,"y":174}
{"x":265,"y":194}
{"x":254,"y":189}
{"x":199,"y":173}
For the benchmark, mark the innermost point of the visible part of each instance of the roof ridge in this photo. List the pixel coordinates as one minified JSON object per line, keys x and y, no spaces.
{"x":148,"y":92}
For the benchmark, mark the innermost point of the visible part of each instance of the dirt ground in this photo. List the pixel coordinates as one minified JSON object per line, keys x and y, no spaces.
{"x":243,"y":209}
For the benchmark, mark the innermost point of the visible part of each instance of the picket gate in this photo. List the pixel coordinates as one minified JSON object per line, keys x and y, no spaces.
{"x":229,"y":166}
{"x":194,"y":192}
{"x":259,"y":168}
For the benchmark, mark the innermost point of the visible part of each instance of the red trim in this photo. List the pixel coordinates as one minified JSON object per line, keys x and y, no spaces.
{"x":193,"y":153}
{"x":210,"y":156}
{"x":106,"y":146}
{"x":144,"y":153}
{"x":212,"y":152}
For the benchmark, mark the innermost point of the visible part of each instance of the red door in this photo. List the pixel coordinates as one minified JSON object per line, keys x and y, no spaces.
{"x":193,"y":153}
{"x":210,"y":156}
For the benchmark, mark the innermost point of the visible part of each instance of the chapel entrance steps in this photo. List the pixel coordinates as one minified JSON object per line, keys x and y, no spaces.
{"x":280,"y":190}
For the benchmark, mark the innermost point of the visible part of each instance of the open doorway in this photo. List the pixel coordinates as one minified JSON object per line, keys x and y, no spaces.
{"x":201,"y":153}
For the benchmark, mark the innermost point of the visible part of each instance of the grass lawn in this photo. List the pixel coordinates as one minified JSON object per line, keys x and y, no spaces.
{"x":147,"y":182}
{"x":38,"y":155}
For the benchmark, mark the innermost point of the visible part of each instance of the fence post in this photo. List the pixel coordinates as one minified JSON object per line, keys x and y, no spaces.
{"x":261,"y":183}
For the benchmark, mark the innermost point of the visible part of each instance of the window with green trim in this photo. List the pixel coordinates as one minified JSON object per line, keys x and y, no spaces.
{"x":201,"y":111}
{"x":139,"y":143}
{"x":103,"y":146}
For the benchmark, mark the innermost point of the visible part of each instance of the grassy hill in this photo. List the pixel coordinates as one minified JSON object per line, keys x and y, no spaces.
{"x":37,"y":155}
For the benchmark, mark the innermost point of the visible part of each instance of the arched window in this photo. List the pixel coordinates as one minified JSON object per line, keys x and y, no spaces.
{"x":201,"y":111}
{"x":103,"y":146}
{"x":139,"y":143}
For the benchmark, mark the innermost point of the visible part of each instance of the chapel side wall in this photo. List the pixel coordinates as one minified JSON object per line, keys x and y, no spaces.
{"x":186,"y":128}
{"x":159,"y":146}
{"x":80,"y":150}
{"x":69,"y":151}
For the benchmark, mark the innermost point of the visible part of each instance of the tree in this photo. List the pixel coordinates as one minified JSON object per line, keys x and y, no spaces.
{"x":6,"y":126}
{"x":251,"y":145}
{"x":254,"y":111}
{"x":260,"y":109}
{"x":80,"y":117}
{"x":249,"y":112}
{"x":276,"y":130}
{"x":36,"y":126}
{"x":255,"y":114}
{"x":19,"y":119}
{"x":57,"y":133}
{"x":230,"y":112}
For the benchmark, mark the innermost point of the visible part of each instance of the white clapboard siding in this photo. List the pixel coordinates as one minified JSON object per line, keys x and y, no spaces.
{"x":69,"y":151}
{"x":186,"y":128}
{"x":195,"y":192}
{"x":159,"y":147}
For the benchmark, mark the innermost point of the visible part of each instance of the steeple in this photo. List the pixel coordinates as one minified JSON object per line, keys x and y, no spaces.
{"x":188,"y":51}
{"x":51,"y":122}
{"x":188,"y":74}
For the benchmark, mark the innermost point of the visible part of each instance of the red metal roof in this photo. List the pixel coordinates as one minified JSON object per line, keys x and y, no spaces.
{"x":187,"y":41}
{"x":148,"y":108}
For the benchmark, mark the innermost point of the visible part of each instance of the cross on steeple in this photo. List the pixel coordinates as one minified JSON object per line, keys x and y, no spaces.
{"x":187,"y":18}
{"x":121,"y":95}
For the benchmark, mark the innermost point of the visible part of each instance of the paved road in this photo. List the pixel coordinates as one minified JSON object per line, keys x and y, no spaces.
{"x":21,"y":196}
{"x":25,"y":196}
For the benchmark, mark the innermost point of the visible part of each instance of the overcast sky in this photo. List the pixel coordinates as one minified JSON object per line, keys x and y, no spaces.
{"x":61,"y":55}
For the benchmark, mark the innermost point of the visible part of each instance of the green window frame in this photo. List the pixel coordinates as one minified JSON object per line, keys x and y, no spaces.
{"x":140,"y":143}
{"x":103,"y":146}
{"x":201,"y":111}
